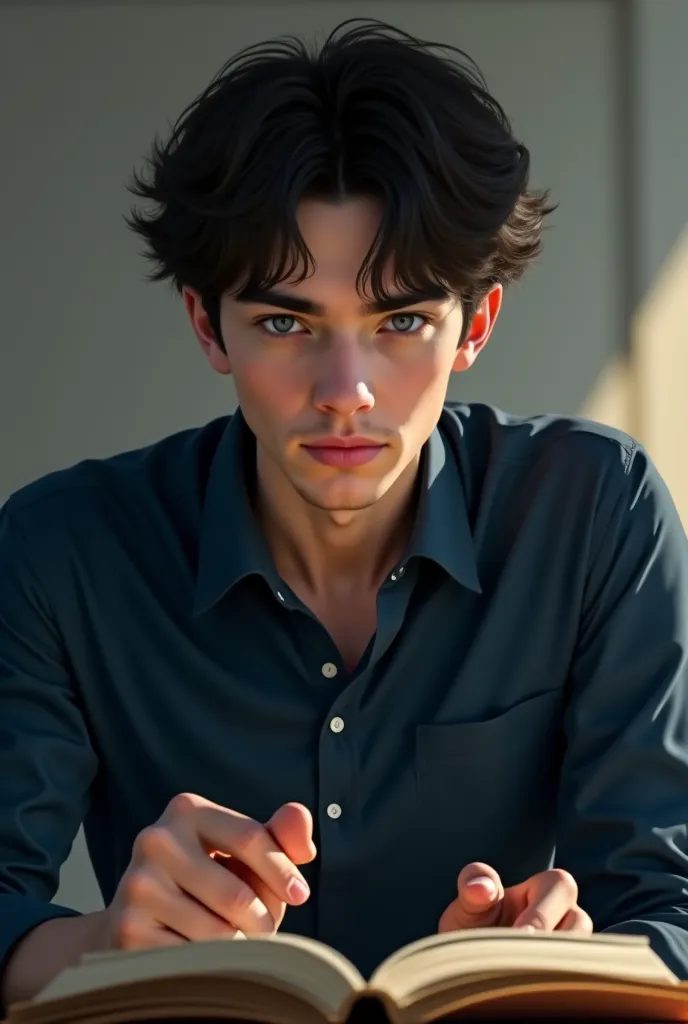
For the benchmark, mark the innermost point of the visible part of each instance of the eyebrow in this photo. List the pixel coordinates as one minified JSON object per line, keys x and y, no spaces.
{"x":298,"y":304}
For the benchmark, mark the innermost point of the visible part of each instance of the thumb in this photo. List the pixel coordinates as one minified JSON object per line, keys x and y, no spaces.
{"x":478,"y":904}
{"x":292,"y":827}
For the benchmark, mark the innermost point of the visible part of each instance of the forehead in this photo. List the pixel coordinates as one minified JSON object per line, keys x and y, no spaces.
{"x":350,"y":223}
{"x":338,"y":236}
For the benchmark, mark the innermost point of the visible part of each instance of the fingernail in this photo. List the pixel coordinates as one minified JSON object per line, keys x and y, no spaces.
{"x":297,"y":891}
{"x":485,"y":883}
{"x":527,"y":928}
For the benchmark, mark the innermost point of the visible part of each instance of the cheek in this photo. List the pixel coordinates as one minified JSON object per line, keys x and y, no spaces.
{"x":419,"y":383}
{"x":268,"y":387}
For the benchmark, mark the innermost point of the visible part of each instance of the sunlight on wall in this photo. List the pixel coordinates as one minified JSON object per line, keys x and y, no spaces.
{"x":611,"y":399}
{"x":648,"y":396}
{"x":660,"y":343}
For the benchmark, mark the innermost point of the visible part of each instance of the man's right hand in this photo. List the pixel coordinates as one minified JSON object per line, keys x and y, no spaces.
{"x":203,"y":871}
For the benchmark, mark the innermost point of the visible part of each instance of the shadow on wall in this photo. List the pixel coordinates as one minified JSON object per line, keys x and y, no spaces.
{"x":645,"y":394}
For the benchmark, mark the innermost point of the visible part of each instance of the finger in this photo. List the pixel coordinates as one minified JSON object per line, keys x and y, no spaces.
{"x":224,"y":892}
{"x":253,"y":844}
{"x":292,"y":828}
{"x":134,"y":930}
{"x":276,"y":907}
{"x":576,"y":920}
{"x":173,"y":863}
{"x":183,"y":915}
{"x":479,"y":900}
{"x":552,"y":895}
{"x":480,"y":888}
{"x":227,"y":831}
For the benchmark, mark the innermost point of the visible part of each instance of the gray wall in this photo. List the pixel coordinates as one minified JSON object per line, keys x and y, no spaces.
{"x":95,"y":360}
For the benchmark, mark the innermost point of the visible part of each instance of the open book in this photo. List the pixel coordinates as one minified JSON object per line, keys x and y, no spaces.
{"x":287,"y":979}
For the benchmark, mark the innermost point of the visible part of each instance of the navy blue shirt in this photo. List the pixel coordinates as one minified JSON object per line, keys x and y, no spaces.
{"x":523,"y":701}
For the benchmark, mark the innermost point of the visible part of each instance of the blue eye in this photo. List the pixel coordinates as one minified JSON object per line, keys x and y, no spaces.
{"x":405,"y":323}
{"x":282,"y":324}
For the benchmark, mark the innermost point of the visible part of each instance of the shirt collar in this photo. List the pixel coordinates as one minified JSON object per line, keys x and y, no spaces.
{"x":442,"y":532}
{"x":232,"y":545}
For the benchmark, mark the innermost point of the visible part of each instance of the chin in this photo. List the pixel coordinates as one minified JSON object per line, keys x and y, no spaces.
{"x":341,"y":498}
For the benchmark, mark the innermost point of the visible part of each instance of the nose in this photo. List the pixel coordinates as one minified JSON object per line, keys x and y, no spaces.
{"x":343,"y":387}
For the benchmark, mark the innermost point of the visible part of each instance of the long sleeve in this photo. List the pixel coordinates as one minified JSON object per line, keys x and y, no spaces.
{"x":623,"y":809}
{"x":46,"y":760}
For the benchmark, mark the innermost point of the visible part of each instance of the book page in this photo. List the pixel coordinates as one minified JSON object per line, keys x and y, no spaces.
{"x":192,"y":998}
{"x":573,"y":999}
{"x":451,"y":959}
{"x":290,"y":962}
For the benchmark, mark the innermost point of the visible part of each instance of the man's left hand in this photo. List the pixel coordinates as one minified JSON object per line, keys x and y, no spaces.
{"x":544,"y":902}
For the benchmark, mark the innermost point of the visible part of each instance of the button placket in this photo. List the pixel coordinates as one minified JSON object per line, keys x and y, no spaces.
{"x":337,"y":767}
{"x":335,"y":779}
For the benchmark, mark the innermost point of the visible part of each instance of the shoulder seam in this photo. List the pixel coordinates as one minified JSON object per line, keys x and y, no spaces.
{"x":630,"y":450}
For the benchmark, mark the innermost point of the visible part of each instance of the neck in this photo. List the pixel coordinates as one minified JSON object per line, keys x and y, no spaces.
{"x":320,"y":550}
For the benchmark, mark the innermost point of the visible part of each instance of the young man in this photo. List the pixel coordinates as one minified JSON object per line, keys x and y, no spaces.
{"x":350,"y":648}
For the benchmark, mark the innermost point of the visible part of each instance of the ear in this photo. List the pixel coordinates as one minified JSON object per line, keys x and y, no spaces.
{"x":482,"y":322}
{"x":200,"y":321}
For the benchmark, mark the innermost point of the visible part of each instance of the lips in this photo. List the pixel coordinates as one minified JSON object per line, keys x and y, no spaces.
{"x":344,"y":453}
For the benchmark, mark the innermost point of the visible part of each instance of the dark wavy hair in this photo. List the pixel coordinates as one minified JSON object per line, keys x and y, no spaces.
{"x":372,"y":112}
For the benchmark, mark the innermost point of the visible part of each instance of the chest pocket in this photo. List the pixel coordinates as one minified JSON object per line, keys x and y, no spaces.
{"x":488,"y":789}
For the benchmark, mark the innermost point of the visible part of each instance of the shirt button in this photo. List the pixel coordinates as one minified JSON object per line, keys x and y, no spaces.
{"x":334,"y":811}
{"x":337,"y":724}
{"x":329,"y":670}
